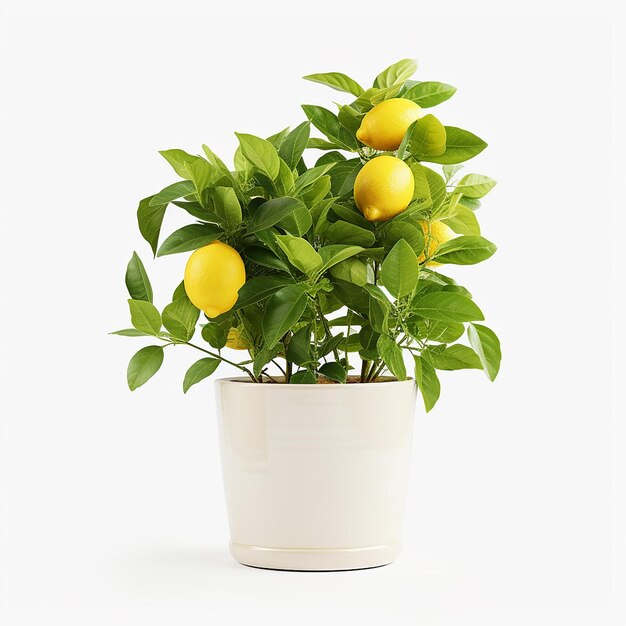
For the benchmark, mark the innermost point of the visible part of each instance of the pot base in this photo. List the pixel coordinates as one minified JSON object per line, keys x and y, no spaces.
{"x":315,"y":560}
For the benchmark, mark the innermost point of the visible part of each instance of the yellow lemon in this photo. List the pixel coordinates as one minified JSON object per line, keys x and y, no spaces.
{"x":383,"y":188}
{"x":384,"y":126}
{"x":235,"y":341}
{"x":435,"y":233}
{"x":213,"y":277}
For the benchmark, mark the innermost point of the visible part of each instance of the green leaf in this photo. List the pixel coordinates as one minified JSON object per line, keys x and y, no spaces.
{"x":298,"y":348}
{"x":144,"y":316}
{"x":455,"y":357}
{"x":150,"y":219}
{"x":216,"y":335}
{"x":227,"y":206}
{"x":328,"y":123}
{"x":429,"y":94}
{"x":272,"y":212}
{"x":282,"y":311}
{"x":303,"y":377}
{"x":137,"y":281}
{"x":343,"y":175}
{"x":179,"y":160}
{"x":349,"y":234}
{"x":330,"y":157}
{"x":259,"y":288}
{"x":334,"y":371}
{"x":465,"y":250}
{"x":400,"y":270}
{"x":300,"y":253}
{"x":173,"y":192}
{"x":199,"y":371}
{"x":260,"y":153}
{"x":179,"y":292}
{"x":446,"y":307}
{"x":349,"y":213}
{"x":337,"y":81}
{"x":391,"y":354}
{"x":435,"y":330}
{"x":180,"y":318}
{"x":427,"y":382}
{"x":314,"y":193}
{"x":200,"y":172}
{"x":294,"y":144}
{"x":190,"y":237}
{"x":487,"y":346}
{"x":396,"y":73}
{"x":379,"y":308}
{"x":352,"y":270}
{"x":331,"y":255}
{"x":450,"y":170}
{"x":297,"y":222}
{"x":322,"y":144}
{"x":425,"y":137}
{"x":368,"y":339}
{"x":217,"y":162}
{"x":277,"y":139}
{"x":461,"y":145}
{"x":262,"y":358}
{"x":475,"y":185}
{"x":266,"y":258}
{"x":197,"y":210}
{"x":395,"y":231}
{"x":143,"y":366}
{"x":463,"y":221}
{"x":310,"y":176}
{"x":436,"y":185}
{"x":131,"y":332}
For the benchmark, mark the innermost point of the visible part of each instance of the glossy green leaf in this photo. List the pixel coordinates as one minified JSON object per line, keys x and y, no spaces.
{"x":282,"y":311}
{"x":446,"y":307}
{"x":435,"y":330}
{"x":260,"y":153}
{"x":395,"y":231}
{"x":465,"y":250}
{"x":272,"y":212}
{"x":333,"y":254}
{"x":173,"y":192}
{"x":429,"y":93}
{"x":328,"y":123}
{"x":294,"y":144}
{"x":396,"y":73}
{"x":334,"y":371}
{"x":349,"y":234}
{"x":303,"y":377}
{"x":391,"y":354}
{"x":216,"y":335}
{"x":265,"y":257}
{"x":463,"y":221}
{"x":454,"y":357}
{"x":298,"y":349}
{"x":425,"y":137}
{"x":180,"y":318}
{"x":461,"y":145}
{"x":137,"y":281}
{"x":337,"y":81}
{"x":427,"y":382}
{"x":150,"y":218}
{"x":379,"y":308}
{"x":300,"y":253}
{"x":487,"y":346}
{"x":351,"y":270}
{"x":131,"y":332}
{"x":199,"y":371}
{"x":259,"y":288}
{"x":475,"y":185}
{"x":143,"y":366}
{"x":343,"y":175}
{"x":400,"y":270}
{"x":189,"y":238}
{"x":227,"y":206}
{"x":145,"y":316}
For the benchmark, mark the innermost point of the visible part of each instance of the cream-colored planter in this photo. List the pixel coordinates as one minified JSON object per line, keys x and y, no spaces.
{"x":315,"y":475}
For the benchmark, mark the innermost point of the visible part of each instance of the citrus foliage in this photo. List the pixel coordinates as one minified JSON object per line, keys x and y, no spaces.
{"x":333,"y":287}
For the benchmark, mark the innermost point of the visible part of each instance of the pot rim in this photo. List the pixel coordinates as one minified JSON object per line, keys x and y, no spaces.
{"x":244,"y":379}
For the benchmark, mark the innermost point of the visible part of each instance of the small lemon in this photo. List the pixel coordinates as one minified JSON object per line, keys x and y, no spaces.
{"x":435,"y":233}
{"x":383,"y":127}
{"x":383,"y":188}
{"x":235,"y":341}
{"x":213,"y":277}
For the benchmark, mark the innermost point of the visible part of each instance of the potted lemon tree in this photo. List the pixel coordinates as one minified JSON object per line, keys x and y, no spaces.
{"x":327,"y":276}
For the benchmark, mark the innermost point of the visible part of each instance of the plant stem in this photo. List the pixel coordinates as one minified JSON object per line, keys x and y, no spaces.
{"x":364,"y":367}
{"x":288,"y":369}
{"x":221,"y":358}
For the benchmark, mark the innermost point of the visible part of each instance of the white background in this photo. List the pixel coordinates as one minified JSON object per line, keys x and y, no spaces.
{"x":111,"y":506}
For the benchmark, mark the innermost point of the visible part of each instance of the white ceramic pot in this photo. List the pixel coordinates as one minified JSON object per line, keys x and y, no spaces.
{"x":315,"y":475}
